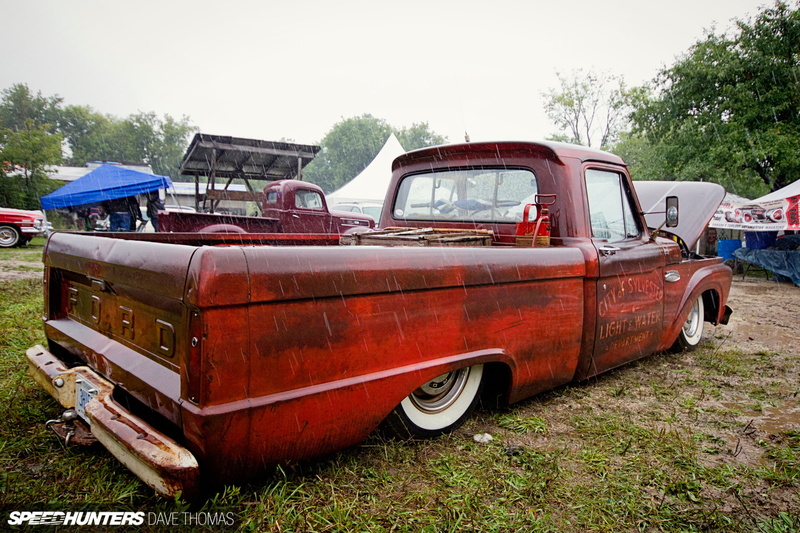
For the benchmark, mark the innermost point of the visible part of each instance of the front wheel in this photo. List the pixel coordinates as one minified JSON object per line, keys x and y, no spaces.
{"x":9,"y":236}
{"x":439,"y":406}
{"x":692,"y":329}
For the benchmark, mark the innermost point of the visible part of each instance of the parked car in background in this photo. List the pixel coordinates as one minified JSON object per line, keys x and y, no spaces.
{"x":372,"y":209}
{"x":18,"y":227}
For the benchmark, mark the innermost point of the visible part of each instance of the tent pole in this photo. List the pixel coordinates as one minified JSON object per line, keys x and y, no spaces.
{"x":197,"y":193}
{"x":211,"y":184}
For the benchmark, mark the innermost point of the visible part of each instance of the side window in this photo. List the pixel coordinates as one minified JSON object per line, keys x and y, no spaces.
{"x":307,"y":199}
{"x":610,"y":208}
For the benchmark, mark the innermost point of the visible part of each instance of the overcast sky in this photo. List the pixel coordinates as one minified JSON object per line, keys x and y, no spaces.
{"x":292,"y":69}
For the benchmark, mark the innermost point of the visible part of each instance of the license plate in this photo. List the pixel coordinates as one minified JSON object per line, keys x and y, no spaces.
{"x":84,"y":392}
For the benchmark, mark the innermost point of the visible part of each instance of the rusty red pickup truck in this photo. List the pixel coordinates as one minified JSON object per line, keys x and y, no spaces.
{"x":287,"y":206}
{"x":202,"y":358}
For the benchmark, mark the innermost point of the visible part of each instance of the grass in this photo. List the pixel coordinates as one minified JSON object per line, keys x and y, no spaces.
{"x":654,"y":446}
{"x":31,"y":253}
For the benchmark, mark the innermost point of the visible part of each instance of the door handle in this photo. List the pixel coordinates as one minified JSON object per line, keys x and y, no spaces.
{"x":608,"y":250}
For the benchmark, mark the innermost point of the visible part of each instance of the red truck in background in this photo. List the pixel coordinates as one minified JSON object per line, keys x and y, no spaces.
{"x":287,"y":206}
{"x":18,"y":226}
{"x":195,"y":363}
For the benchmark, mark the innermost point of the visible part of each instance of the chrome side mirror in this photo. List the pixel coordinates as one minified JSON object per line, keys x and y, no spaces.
{"x":672,"y":211}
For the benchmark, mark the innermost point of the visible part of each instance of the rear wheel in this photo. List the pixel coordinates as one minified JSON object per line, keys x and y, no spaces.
{"x":692,"y":329}
{"x":9,"y":236}
{"x":438,"y":406}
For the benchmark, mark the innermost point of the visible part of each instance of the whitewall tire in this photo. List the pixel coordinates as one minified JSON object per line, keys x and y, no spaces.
{"x":692,"y":329}
{"x":439,"y":406}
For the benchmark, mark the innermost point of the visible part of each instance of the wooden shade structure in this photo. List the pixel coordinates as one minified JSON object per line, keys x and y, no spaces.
{"x":222,"y":159}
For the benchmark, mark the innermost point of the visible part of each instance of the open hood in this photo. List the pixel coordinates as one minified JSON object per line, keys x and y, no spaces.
{"x":697,"y":203}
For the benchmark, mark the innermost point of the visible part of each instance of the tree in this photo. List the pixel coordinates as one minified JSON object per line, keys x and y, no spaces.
{"x":142,"y":137}
{"x":28,"y":145}
{"x":22,"y":110}
{"x":590,"y":109}
{"x":347,"y":149}
{"x":158,"y":142}
{"x":728,"y":111}
{"x":89,"y":135}
{"x":25,"y":156}
{"x":354,"y":142}
{"x":418,"y":135}
{"x":92,"y":136}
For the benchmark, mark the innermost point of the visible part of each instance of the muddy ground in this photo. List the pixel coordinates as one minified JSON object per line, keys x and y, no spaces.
{"x":766,"y":316}
{"x":766,"y":320}
{"x":11,"y":270}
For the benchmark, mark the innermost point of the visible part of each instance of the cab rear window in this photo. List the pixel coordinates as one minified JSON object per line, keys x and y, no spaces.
{"x":466,"y":195}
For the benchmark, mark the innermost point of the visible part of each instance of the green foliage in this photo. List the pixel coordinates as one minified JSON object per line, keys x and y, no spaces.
{"x":418,"y":135}
{"x":590,"y":109}
{"x":22,"y":110}
{"x":32,"y":128}
{"x":89,"y":135}
{"x":25,"y":155}
{"x":92,"y":136}
{"x":29,"y":143}
{"x":353,"y":143}
{"x":728,"y":111}
{"x":347,"y":149}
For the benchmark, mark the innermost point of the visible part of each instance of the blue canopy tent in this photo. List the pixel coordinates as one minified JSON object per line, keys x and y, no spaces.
{"x":107,"y":182}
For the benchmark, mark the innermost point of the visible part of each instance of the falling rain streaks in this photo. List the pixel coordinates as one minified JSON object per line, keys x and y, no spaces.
{"x":399,"y":326}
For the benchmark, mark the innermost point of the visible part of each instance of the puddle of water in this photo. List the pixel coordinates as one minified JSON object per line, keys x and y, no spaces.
{"x":773,"y":420}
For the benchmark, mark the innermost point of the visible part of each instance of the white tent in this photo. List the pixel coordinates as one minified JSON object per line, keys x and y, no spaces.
{"x":372,"y":183}
{"x":793,"y":189}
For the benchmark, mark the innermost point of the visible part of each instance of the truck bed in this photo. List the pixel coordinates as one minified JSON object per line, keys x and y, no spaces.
{"x":182,"y":221}
{"x":197,"y":334}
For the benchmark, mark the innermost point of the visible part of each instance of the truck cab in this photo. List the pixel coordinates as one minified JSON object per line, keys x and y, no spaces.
{"x":301,"y":208}
{"x":287,"y":206}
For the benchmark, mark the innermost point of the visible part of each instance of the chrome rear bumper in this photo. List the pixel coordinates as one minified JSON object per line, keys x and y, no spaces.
{"x":156,"y":459}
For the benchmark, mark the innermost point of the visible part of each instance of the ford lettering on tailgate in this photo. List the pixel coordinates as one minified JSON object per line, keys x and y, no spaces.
{"x":105,"y":309}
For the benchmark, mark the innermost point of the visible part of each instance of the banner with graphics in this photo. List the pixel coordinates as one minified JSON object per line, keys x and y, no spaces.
{"x":774,"y":215}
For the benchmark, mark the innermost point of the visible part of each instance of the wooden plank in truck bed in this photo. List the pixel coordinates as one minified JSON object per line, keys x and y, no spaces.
{"x":420,"y":237}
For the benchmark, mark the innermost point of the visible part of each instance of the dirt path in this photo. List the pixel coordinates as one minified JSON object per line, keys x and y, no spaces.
{"x":766,"y":316}
{"x":14,"y":270}
{"x":766,"y":321}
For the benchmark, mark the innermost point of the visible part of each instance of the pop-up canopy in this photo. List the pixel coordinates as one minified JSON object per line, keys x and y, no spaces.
{"x":106,"y":182}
